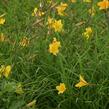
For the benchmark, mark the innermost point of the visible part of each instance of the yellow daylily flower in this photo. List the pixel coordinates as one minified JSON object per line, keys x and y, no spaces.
{"x":103,"y":4}
{"x":87,"y":33}
{"x":7,"y":71}
{"x":2,"y":20}
{"x":57,"y":25}
{"x":61,"y":88}
{"x":54,"y":47}
{"x":82,"y":83}
{"x":61,"y":8}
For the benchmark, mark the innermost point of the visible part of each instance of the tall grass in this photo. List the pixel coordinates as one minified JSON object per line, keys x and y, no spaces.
{"x":40,"y":72}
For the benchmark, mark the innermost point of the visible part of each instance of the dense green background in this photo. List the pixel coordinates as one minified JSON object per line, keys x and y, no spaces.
{"x":42,"y":73}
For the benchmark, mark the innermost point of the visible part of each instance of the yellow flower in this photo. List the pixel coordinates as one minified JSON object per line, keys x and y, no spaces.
{"x":32,"y":103}
{"x":2,"y":37}
{"x":89,"y":30}
{"x":81,"y":83}
{"x":61,"y":8}
{"x":19,"y":89}
{"x":73,"y":1}
{"x":24,"y":42}
{"x":88,"y":1}
{"x":92,"y":11}
{"x":61,"y":88}
{"x":2,"y":21}
{"x":87,"y":33}
{"x":57,"y":25}
{"x":54,"y":47}
{"x":103,"y":4}
{"x":7,"y":71}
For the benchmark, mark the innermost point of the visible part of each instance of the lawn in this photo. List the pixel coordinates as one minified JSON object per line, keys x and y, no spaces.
{"x":54,"y":54}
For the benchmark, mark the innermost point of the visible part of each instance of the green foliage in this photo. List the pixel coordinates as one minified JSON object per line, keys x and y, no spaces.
{"x":40,"y":72}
